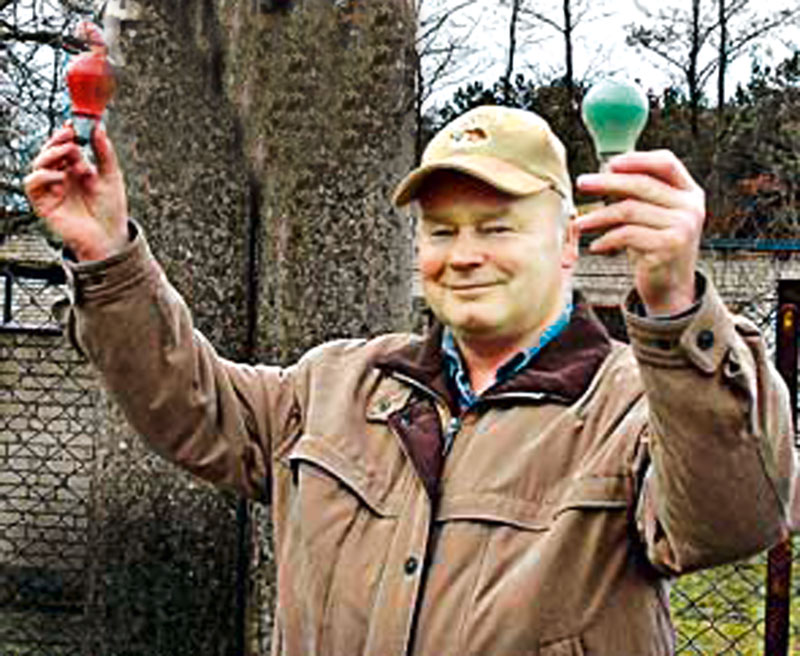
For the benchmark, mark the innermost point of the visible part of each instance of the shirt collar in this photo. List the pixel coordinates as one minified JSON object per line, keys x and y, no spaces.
{"x":563,"y":369}
{"x":457,"y":374}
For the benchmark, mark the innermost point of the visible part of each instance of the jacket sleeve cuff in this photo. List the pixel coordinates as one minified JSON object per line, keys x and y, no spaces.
{"x":96,"y":281}
{"x":700,"y":337}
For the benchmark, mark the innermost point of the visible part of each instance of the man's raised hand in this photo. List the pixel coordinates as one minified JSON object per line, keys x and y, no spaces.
{"x":82,"y":203}
{"x":655,"y":211}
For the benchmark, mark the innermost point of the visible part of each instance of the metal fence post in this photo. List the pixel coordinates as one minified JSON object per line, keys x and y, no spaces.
{"x":779,"y":567}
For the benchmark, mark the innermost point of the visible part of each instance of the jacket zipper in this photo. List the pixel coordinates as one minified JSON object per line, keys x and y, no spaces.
{"x":415,"y":383}
{"x":453,"y":426}
{"x":456,"y":421}
{"x":526,"y":396}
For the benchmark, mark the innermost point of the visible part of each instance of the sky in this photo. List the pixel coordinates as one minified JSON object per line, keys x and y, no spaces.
{"x":482,"y":25}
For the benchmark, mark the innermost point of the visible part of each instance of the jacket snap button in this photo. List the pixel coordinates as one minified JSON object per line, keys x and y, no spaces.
{"x":411,"y":565}
{"x":705,"y":339}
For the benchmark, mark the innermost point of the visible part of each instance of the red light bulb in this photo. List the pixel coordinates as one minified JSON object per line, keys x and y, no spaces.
{"x":90,"y":79}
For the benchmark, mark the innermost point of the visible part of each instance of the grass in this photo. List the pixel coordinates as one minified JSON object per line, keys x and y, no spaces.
{"x":722,"y":610}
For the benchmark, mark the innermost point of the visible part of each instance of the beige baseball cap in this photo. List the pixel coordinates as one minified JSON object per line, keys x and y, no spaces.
{"x":511,"y":149}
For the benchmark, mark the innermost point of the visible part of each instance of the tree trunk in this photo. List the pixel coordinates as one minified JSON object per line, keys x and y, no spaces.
{"x":260,"y":149}
{"x":569,"y":75}
{"x":695,"y":91}
{"x":722,"y":65}
{"x":512,"y":47}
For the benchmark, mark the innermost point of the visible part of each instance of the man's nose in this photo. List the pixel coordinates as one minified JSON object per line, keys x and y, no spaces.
{"x":467,"y":251}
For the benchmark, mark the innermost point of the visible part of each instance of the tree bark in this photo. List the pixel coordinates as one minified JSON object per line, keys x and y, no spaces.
{"x":260,"y":151}
{"x":569,"y":75}
{"x":722,"y":65}
{"x":693,"y":81}
{"x":512,"y":48}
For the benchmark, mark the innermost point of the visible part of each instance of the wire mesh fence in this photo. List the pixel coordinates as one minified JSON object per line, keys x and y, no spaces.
{"x":104,"y":548}
{"x":47,"y":419}
{"x":87,"y":546}
{"x":721,"y":611}
{"x":724,"y":610}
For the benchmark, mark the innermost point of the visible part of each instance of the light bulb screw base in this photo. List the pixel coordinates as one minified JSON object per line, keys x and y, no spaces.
{"x":604,"y":158}
{"x":84,"y":125}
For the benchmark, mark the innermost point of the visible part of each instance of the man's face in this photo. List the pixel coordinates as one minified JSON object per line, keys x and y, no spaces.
{"x":493,"y":267}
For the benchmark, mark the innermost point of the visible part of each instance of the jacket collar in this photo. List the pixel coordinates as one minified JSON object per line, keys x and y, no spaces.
{"x":562,"y":369}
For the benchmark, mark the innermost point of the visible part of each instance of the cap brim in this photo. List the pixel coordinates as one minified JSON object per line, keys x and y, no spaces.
{"x":493,"y":171}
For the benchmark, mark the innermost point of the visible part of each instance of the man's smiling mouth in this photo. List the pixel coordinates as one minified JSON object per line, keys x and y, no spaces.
{"x":471,"y":286}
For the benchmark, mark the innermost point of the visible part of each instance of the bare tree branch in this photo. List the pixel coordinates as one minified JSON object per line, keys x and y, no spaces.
{"x":8,"y":33}
{"x":34,"y":34}
{"x":699,"y":44}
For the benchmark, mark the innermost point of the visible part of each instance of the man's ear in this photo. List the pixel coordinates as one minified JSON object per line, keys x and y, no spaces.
{"x":569,"y":249}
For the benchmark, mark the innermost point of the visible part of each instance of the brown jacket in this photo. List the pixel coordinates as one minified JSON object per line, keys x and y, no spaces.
{"x":566,"y":500}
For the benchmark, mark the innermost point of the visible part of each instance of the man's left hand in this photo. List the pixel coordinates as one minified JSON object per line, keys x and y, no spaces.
{"x":655,"y":210}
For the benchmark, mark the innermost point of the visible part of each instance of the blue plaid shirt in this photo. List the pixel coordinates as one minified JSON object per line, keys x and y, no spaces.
{"x":457,"y":372}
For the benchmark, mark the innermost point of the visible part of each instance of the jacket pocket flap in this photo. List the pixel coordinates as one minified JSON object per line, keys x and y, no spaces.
{"x":373,"y":488}
{"x":495,"y":508}
{"x":587,"y":492}
{"x":582,"y":493}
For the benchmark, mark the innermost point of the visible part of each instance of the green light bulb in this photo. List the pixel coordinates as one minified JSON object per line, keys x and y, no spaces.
{"x":615,"y":114}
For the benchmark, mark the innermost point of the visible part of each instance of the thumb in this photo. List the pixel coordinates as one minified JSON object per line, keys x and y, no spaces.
{"x":104,"y":153}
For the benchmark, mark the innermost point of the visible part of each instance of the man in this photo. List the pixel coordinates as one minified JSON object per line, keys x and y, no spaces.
{"x":512,"y":483}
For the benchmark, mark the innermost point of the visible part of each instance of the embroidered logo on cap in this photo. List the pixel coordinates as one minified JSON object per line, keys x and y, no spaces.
{"x":471,"y":136}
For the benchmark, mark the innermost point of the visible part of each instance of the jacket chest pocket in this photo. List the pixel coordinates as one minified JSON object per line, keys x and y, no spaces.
{"x":324,"y":473}
{"x":337,"y":499}
{"x":581,"y":494}
{"x":545,"y":568}
{"x":341,"y":514}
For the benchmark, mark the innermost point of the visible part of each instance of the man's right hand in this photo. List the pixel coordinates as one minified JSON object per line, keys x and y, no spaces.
{"x":83,"y":204}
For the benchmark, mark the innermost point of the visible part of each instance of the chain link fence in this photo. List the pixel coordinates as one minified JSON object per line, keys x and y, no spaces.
{"x":723,"y":610}
{"x":105,"y":549}
{"x":68,"y":509}
{"x":47,"y":455}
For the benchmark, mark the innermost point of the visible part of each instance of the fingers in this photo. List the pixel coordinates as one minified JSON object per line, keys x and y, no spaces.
{"x":660,"y":164}
{"x":656,"y":192}
{"x":627,"y":211}
{"x":640,"y":186}
{"x":639,"y":226}
{"x":45,"y":188}
{"x":63,"y":155}
{"x":657,"y":218}
{"x":656,"y":177}
{"x":630,"y":185}
{"x":43,"y":181}
{"x":57,"y":156}
{"x":42,"y":178}
{"x":637,"y":238}
{"x":60,"y":136}
{"x":104,"y":152}
{"x":60,"y":152}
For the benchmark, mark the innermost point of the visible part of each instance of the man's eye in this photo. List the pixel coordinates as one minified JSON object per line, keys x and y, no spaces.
{"x":496,"y":228}
{"x":442,"y":232}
